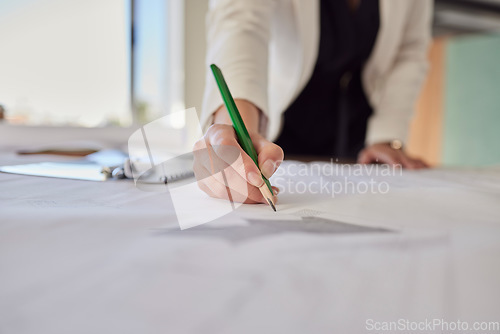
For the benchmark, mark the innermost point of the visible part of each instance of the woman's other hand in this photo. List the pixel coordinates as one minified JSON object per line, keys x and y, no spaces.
{"x":384,"y":153}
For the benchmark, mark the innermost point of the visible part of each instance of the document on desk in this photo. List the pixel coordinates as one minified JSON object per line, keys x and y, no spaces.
{"x":93,"y":167}
{"x":309,"y":209}
{"x":314,"y":199}
{"x":68,"y":170}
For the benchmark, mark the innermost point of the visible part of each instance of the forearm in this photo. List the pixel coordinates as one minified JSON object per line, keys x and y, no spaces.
{"x":238,"y":36}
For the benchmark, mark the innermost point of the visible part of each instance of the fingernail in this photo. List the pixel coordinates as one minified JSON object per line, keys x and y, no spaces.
{"x":276,"y":192}
{"x":255,"y":179}
{"x":268,"y":168}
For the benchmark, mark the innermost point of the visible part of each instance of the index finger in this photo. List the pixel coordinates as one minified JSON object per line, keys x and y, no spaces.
{"x":227,"y":148}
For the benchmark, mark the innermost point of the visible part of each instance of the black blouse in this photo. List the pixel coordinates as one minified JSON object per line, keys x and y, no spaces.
{"x":330,"y":115}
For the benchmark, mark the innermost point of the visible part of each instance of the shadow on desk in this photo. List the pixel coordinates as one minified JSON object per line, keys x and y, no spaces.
{"x":322,"y":158}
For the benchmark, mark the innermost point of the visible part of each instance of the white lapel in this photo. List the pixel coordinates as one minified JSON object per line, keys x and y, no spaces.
{"x":372,"y":68}
{"x":392,"y":18}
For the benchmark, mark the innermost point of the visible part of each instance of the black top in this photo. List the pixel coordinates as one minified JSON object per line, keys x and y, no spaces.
{"x":330,"y":115}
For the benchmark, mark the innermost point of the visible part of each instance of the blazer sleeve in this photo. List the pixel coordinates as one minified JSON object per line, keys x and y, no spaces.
{"x":401,"y":85}
{"x":238,"y":35}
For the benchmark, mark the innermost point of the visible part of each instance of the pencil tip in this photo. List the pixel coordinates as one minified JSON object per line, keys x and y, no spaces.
{"x":271,"y":204}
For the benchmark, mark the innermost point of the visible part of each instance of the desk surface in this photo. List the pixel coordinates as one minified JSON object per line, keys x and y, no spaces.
{"x":90,"y":257}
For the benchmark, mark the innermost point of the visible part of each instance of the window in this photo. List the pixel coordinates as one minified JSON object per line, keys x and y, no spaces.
{"x":73,"y":63}
{"x":158,"y":59}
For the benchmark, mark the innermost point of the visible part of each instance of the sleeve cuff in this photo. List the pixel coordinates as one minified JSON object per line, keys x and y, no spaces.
{"x":385,"y":129}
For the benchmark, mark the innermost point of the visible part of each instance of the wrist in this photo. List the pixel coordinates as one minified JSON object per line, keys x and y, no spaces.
{"x":395,"y":144}
{"x":248,"y":111}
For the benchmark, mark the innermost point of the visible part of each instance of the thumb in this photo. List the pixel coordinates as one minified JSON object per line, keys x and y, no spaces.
{"x":269,"y":154}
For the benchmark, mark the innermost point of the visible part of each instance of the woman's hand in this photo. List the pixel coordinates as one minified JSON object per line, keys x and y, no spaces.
{"x":224,"y":170}
{"x":384,"y":153}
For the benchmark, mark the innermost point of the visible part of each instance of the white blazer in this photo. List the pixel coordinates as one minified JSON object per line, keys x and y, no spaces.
{"x":267,"y":51}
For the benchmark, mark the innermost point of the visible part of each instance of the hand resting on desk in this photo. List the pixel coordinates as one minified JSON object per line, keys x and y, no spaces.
{"x":383,"y":153}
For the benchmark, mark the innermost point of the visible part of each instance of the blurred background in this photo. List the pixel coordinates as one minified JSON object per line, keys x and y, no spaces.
{"x":112,"y":65}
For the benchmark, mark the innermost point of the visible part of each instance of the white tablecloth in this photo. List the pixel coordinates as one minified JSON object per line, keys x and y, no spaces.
{"x":106,"y":257}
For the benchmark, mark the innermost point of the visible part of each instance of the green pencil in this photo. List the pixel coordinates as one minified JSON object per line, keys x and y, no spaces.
{"x":241,"y":131}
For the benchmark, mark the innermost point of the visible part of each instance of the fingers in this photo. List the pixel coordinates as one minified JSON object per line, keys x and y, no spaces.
{"x":383,"y":153}
{"x":205,"y":188}
{"x":366,"y":157}
{"x":276,"y":190}
{"x":224,"y":170}
{"x":407,"y":162}
{"x":231,"y":187}
{"x":411,"y":163}
{"x":269,"y":154}
{"x":370,"y":155}
{"x":223,"y":140}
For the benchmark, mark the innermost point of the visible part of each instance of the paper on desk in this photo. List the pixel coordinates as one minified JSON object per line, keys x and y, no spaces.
{"x":89,"y":168}
{"x":66,"y":170}
{"x":295,"y":212}
{"x":375,"y":211}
